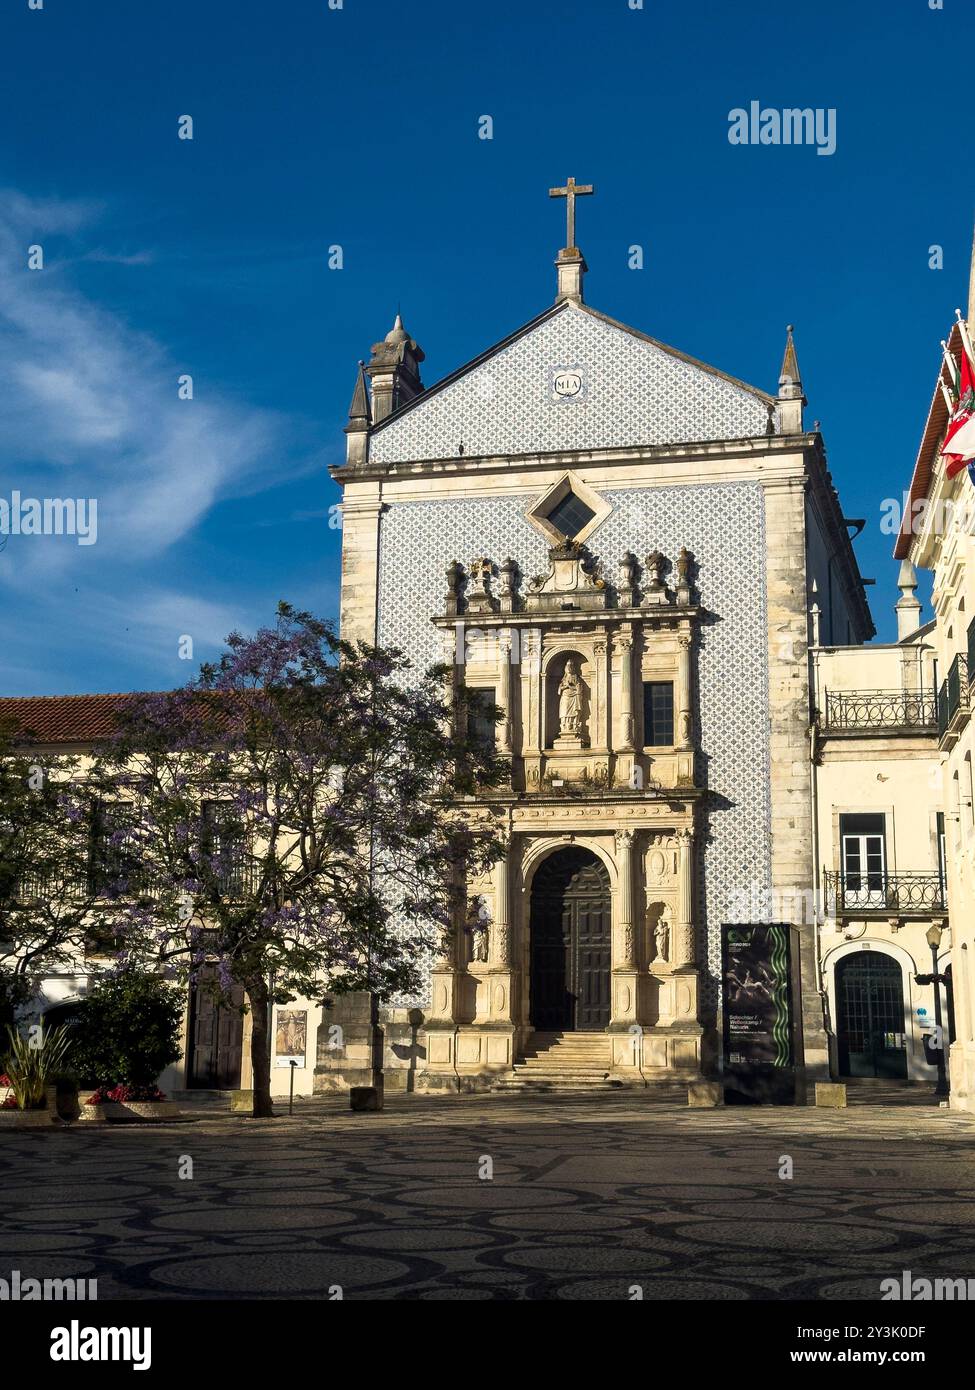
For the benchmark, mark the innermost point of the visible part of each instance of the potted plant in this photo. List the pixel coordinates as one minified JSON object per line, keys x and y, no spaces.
{"x":28,"y":1065}
{"x":126,"y":1032}
{"x":129,"y":1102}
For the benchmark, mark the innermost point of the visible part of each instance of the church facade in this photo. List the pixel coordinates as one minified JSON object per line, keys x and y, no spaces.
{"x":616,"y":544}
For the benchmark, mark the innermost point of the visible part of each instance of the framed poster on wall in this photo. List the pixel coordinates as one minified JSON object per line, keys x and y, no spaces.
{"x":290,"y":1037}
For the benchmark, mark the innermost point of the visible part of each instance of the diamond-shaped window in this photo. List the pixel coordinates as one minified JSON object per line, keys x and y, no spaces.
{"x":568,"y":510}
{"x":571,"y":515}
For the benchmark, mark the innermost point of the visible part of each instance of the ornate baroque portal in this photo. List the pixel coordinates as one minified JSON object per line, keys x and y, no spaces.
{"x":588,"y":923}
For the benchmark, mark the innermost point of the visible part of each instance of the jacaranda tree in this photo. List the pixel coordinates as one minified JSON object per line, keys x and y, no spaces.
{"x":292,"y":816}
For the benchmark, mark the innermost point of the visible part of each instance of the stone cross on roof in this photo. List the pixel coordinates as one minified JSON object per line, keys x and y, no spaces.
{"x":570,"y":192}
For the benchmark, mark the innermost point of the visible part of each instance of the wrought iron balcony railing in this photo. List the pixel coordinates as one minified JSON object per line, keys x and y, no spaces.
{"x":971,"y":651}
{"x":36,"y":887}
{"x":954,"y":697}
{"x":958,"y":683}
{"x":884,"y":894}
{"x":126,"y":881}
{"x":880,"y":709}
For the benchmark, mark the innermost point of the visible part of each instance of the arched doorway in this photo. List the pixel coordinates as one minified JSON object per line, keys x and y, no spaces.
{"x":870,"y":1016}
{"x":570,"y":943}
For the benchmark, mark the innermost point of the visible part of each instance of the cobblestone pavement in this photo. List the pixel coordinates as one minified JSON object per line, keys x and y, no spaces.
{"x":590,"y":1195}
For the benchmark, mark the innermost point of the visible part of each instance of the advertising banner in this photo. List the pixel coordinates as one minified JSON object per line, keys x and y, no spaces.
{"x":757,"y":1005}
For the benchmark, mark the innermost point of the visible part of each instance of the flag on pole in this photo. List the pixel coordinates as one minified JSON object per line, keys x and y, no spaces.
{"x":959,"y":446}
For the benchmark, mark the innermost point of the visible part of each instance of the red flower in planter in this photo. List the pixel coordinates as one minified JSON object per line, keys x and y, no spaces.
{"x":9,"y":1104}
{"x":125,"y":1092}
{"x":4,"y":1079}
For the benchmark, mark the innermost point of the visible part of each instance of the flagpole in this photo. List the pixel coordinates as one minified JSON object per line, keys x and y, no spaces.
{"x":963,"y":327}
{"x":952,"y":366}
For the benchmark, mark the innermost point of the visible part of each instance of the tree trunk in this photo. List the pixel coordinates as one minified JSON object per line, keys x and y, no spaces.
{"x":257,"y":993}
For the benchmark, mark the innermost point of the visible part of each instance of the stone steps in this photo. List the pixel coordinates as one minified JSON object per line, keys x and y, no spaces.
{"x":869,"y":1090}
{"x":537,"y":1086}
{"x":554,"y":1073}
{"x":562,"y":1061}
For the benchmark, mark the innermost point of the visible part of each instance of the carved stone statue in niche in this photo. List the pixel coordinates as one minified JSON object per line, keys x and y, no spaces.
{"x":661,"y":939}
{"x":571,"y":721}
{"x":477,"y":928}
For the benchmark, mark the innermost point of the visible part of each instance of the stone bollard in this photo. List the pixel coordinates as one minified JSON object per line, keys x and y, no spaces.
{"x":241,"y":1101}
{"x":704,"y":1095}
{"x":831,"y":1094}
{"x":365,"y":1098}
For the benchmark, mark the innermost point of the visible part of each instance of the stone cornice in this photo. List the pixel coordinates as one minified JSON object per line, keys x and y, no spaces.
{"x":542,"y":808}
{"x":760,"y":446}
{"x":596,"y":622}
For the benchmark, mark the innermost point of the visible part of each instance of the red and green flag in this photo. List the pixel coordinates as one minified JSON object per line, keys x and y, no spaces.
{"x":959,"y":446}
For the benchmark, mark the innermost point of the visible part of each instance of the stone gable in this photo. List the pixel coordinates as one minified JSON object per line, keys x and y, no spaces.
{"x":575,"y":381}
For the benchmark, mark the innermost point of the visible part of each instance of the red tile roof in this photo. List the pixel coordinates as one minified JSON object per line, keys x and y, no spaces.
{"x":60,"y":718}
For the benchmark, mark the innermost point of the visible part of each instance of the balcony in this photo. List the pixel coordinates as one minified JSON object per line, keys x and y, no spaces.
{"x":884,"y":895}
{"x":954,"y":699}
{"x":125,"y":880}
{"x":873,"y":711}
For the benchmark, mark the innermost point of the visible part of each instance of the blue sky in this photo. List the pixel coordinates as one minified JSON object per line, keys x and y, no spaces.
{"x":359,"y":127}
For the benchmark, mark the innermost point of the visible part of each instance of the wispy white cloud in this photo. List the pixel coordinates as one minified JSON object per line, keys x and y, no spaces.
{"x":93,"y":409}
{"x":90,"y":409}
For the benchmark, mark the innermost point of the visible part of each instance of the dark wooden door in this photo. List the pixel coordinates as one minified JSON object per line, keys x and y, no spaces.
{"x":870,"y":1016}
{"x":570,"y":943}
{"x":216,"y":1039}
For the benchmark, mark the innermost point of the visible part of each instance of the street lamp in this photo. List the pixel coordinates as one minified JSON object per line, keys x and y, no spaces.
{"x":933,"y":937}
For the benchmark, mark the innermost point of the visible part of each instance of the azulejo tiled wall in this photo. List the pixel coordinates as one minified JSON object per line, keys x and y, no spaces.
{"x":723,"y":525}
{"x":621,"y":391}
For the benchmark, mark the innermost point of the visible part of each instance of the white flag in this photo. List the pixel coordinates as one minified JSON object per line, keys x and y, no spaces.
{"x":962,"y":442}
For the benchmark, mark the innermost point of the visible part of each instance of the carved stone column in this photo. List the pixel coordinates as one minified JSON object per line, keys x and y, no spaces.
{"x":625,"y":976}
{"x":600,"y":704}
{"x":499,"y":953}
{"x":624,"y":866}
{"x":683,"y":953}
{"x":497,"y":993}
{"x":624,"y":645}
{"x":448,"y":990}
{"x":684,"y":719}
{"x":504,"y":694}
{"x":531,"y":655}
